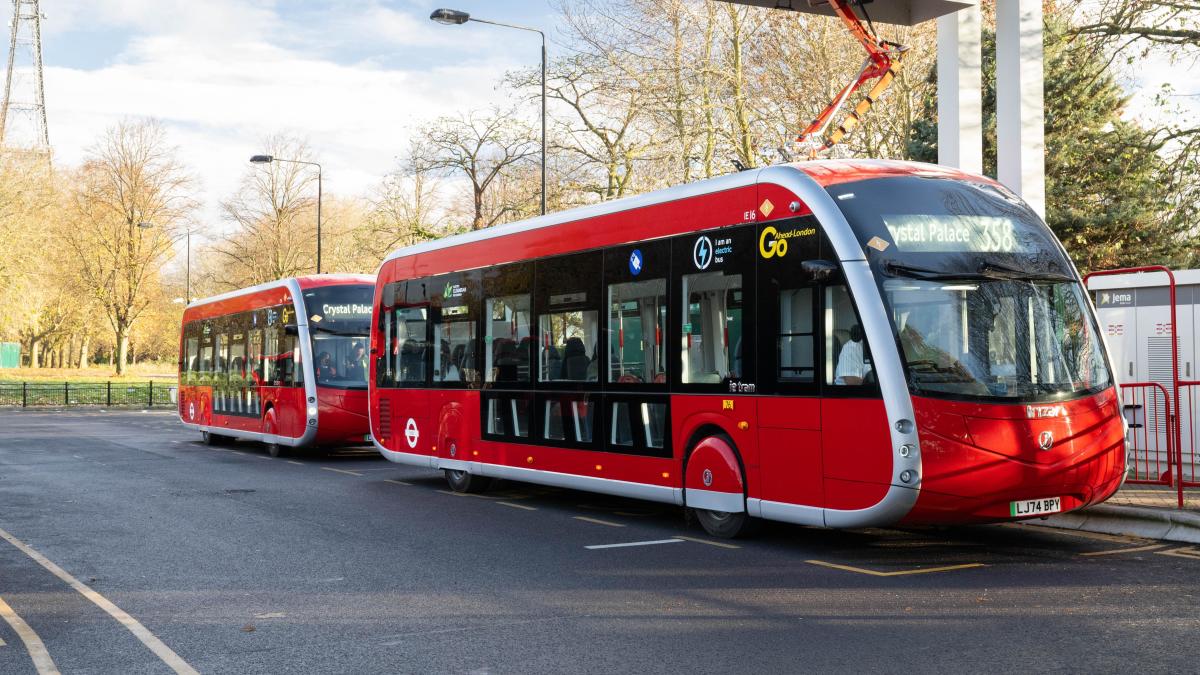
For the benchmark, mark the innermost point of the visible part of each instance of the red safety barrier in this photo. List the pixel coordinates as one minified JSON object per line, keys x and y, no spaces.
{"x":1188,"y":456}
{"x":1170,"y":423}
{"x":1147,"y":409}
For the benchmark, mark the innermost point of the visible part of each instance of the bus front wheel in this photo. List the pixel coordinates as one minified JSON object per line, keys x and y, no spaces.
{"x":463,"y":481}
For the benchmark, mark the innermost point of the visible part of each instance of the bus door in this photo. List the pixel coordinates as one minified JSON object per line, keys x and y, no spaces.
{"x":789,"y":417}
{"x":636,"y":404}
{"x":855,"y":436}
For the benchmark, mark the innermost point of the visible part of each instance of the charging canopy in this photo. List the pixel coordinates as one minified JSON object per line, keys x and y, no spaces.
{"x":902,"y":12}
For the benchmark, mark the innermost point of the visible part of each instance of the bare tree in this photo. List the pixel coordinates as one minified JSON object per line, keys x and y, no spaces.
{"x":131,"y":177}
{"x":405,"y":208}
{"x":274,"y":214}
{"x":480,"y":146}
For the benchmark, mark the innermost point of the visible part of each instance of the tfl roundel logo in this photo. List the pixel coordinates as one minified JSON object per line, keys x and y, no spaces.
{"x":635,"y":262}
{"x":702,"y":253}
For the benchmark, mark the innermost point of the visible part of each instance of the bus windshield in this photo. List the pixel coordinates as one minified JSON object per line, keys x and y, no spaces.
{"x":983,"y":301}
{"x":339,"y":322}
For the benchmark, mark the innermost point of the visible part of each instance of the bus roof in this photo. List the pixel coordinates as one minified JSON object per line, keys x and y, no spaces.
{"x":305,"y":283}
{"x":824,"y":172}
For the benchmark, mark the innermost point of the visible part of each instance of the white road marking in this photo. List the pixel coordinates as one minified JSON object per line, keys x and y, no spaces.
{"x":33,"y":644}
{"x":635,"y":543}
{"x":395,"y":482}
{"x":518,"y":506}
{"x":348,"y":473}
{"x":162,"y":651}
{"x":597,"y":521}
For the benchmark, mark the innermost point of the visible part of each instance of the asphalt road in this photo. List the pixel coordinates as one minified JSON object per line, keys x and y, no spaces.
{"x":234,"y":562}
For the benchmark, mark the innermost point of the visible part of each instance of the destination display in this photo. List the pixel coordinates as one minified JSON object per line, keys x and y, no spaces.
{"x":944,"y":233}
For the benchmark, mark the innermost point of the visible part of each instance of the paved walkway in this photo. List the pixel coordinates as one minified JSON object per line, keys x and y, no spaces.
{"x":1156,"y":496}
{"x":1150,"y":511}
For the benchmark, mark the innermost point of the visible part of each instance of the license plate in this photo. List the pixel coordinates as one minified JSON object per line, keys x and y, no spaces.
{"x":1035,"y":507}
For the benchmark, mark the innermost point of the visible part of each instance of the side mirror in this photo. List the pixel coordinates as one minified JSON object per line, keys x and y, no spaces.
{"x":819,"y":270}
{"x":291,"y":329}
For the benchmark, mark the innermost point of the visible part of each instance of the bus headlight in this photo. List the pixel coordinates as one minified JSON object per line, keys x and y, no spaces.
{"x":312,"y":411}
{"x":907,"y":476}
{"x":906,"y":450}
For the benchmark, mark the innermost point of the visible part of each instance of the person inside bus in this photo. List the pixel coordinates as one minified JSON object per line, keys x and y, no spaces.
{"x":325,"y":369}
{"x":356,"y":363}
{"x":852,"y":366}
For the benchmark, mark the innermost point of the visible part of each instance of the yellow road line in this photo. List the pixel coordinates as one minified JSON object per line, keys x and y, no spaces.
{"x":899,"y":573}
{"x":2,"y":642}
{"x":348,"y":473}
{"x":33,"y":644}
{"x":1189,"y":552}
{"x":397,"y":482}
{"x":706,"y":541}
{"x":1136,"y":549}
{"x":139,"y":631}
{"x":518,"y":506}
{"x":597,"y":521}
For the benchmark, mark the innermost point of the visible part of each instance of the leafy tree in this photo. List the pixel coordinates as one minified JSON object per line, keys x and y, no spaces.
{"x":1108,"y":188}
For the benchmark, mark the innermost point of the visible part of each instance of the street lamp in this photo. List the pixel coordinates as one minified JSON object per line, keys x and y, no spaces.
{"x":188,"y":265}
{"x":267,"y":159}
{"x":454,"y":17}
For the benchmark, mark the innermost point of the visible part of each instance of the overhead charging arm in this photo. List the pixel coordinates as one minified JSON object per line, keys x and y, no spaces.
{"x":883,"y":61}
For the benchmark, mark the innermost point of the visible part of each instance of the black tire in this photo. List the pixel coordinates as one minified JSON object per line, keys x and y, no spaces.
{"x":276,"y":450}
{"x":463,"y":481}
{"x":213,"y":439}
{"x":724,"y":525}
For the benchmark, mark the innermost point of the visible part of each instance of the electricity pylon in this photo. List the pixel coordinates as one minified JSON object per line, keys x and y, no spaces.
{"x":23,"y":109}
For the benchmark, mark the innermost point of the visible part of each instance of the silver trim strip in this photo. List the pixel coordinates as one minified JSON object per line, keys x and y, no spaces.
{"x":900,"y":498}
{"x":620,"y":488}
{"x":247,"y":435}
{"x":788,"y":513}
{"x":729,"y":502}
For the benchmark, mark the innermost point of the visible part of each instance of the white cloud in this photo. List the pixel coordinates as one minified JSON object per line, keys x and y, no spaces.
{"x":222,"y":75}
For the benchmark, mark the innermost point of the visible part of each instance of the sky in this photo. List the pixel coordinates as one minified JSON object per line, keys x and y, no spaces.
{"x":352,"y":77}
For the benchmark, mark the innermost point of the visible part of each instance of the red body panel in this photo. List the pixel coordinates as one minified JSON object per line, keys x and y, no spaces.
{"x":713,"y":465}
{"x":978,"y":458}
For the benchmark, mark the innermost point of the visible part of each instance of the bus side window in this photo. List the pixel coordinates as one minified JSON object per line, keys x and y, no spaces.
{"x":712,"y":327}
{"x":797,"y":337}
{"x":637,"y":320}
{"x":191,"y":354}
{"x":847,"y":354}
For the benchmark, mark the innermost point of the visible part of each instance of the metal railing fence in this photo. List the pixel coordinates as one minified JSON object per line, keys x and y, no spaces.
{"x":148,"y":394}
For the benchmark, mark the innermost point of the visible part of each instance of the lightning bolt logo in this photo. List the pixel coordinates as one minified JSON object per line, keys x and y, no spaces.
{"x":702,"y":253}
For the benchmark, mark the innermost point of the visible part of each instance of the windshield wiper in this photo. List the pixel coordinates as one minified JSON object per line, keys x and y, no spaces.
{"x":994,"y":270}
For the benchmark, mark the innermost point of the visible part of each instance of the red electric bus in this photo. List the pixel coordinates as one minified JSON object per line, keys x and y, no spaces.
{"x":283,"y":363}
{"x":834,"y":343}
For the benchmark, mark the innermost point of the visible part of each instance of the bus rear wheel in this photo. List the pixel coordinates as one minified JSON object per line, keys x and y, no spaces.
{"x":722,"y":524}
{"x":276,"y":450}
{"x":463,"y":481}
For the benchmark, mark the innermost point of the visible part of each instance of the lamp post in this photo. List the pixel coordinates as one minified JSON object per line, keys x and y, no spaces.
{"x":187,"y":293}
{"x":454,"y":17}
{"x":267,"y":159}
